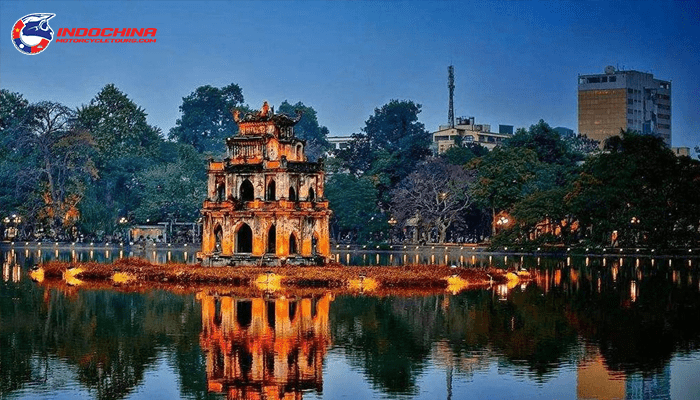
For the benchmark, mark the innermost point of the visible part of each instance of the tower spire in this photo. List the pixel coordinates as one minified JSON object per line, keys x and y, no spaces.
{"x":451,"y":86}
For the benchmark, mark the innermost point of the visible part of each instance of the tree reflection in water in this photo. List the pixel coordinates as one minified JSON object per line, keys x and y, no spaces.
{"x":626,"y":321}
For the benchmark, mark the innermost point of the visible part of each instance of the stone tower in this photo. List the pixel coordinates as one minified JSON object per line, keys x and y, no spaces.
{"x":265,"y":203}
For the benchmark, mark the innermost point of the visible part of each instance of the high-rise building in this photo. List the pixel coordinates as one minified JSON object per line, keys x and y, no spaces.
{"x":618,"y":99}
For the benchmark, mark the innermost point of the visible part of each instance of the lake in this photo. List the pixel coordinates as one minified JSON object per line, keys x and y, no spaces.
{"x":583,"y":328}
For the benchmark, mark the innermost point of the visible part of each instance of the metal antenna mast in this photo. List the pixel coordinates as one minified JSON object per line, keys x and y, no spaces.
{"x":451,"y":86}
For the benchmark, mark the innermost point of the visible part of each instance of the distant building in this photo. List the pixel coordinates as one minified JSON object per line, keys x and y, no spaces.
{"x":339,"y":142}
{"x":681,"y":151}
{"x":445,"y":136}
{"x":624,"y":100}
{"x":563,"y":132}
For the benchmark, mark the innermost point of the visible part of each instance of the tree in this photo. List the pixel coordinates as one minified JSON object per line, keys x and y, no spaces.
{"x":173,"y":190}
{"x":462,"y":153}
{"x":308,"y":129}
{"x":395,"y":128}
{"x":391,"y":144}
{"x":436,"y":192}
{"x":118,"y":125}
{"x":544,"y":141}
{"x":61,"y":166}
{"x":640,"y":189}
{"x":206,"y":119}
{"x":581,"y":146}
{"x":16,"y":122}
{"x":354,"y":204}
{"x":357,"y":156}
{"x":501,"y":178}
{"x":126,"y":145}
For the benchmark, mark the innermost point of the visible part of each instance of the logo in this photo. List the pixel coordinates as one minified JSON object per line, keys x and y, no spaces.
{"x":32,"y":33}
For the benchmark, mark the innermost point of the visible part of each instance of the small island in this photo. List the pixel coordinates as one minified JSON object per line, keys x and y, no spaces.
{"x":139,"y":274}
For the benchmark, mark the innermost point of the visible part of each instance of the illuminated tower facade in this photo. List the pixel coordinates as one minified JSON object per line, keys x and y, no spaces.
{"x":266,"y":203}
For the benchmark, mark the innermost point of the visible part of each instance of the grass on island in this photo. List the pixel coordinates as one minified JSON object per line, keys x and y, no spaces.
{"x":139,"y":273}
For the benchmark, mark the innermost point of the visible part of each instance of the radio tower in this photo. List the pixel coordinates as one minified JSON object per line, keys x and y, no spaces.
{"x":451,"y":86}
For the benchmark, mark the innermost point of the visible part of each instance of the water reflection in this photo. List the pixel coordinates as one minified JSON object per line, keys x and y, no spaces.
{"x":579,"y":329}
{"x":264,"y":349}
{"x":10,"y":268}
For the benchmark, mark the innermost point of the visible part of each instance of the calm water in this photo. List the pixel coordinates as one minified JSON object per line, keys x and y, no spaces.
{"x":581,"y":329}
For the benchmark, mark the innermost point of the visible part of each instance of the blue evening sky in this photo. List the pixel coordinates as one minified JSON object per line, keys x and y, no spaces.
{"x":515,"y":62}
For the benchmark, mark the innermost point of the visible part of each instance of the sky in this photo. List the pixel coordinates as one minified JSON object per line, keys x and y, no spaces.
{"x":515,"y":62}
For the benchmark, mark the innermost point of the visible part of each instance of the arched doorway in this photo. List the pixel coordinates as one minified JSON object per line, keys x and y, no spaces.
{"x":218,"y":235}
{"x":292,"y":194}
{"x":247,"y":192}
{"x":272,"y":240}
{"x":292,"y":244}
{"x":244,"y":239}
{"x":311,"y":196}
{"x":270,"y":193}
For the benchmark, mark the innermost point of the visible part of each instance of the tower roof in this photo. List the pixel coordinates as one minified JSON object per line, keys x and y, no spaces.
{"x":266,"y":115}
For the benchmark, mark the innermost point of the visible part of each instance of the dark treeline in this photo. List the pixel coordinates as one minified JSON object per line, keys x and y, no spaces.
{"x":93,"y":171}
{"x":535,"y":188}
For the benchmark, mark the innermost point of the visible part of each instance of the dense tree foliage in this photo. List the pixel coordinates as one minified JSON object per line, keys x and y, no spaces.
{"x":354,"y":204}
{"x":16,"y":122}
{"x":126,"y":145}
{"x":462,"y":153}
{"x":640,"y":190}
{"x":634,"y":193}
{"x":391,"y":144}
{"x":118,"y":126}
{"x":206,"y":119}
{"x":174,"y":190}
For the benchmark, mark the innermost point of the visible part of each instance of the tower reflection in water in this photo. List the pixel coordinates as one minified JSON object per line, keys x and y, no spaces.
{"x":264,"y":348}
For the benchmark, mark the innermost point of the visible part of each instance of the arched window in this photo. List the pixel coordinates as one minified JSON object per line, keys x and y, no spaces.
{"x":218,"y":235}
{"x":311,"y":196}
{"x":272,"y":240}
{"x":292,"y":194}
{"x":247,"y":193}
{"x":298,"y":151}
{"x":314,"y":244}
{"x":270,"y":194}
{"x":244,"y":239}
{"x":292,"y":244}
{"x":221,"y":192}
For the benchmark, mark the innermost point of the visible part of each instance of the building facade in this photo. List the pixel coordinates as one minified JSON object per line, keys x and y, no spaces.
{"x":265,"y":202}
{"x":618,"y":99}
{"x":445,"y":136}
{"x":339,"y":142}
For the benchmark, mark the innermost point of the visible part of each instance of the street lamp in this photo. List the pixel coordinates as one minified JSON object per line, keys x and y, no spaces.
{"x":11,"y":224}
{"x":392,"y":221}
{"x":502,"y":221}
{"x":123,"y":221}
